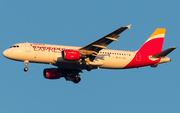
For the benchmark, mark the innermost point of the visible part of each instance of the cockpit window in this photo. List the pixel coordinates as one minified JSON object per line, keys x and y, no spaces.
{"x":14,"y":46}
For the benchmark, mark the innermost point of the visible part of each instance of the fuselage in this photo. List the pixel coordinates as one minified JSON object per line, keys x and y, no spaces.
{"x":52,"y":54}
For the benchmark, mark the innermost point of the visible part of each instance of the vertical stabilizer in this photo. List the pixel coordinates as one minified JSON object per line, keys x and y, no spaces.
{"x":154,"y":43}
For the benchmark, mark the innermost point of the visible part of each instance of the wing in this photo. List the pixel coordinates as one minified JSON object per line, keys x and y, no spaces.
{"x":93,"y":48}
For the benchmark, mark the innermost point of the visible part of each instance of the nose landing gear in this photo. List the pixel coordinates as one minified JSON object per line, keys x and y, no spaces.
{"x":26,"y":64}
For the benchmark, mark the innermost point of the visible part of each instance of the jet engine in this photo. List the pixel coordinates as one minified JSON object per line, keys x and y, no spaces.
{"x":70,"y":55}
{"x":52,"y":73}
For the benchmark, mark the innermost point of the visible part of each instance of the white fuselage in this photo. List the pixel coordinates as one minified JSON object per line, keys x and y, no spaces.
{"x":52,"y":54}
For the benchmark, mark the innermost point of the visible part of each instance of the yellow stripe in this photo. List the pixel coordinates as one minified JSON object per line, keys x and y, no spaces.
{"x":158,"y":31}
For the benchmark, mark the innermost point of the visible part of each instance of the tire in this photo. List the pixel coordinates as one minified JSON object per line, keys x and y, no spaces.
{"x":89,"y":67}
{"x":77,"y":80}
{"x":25,"y":69}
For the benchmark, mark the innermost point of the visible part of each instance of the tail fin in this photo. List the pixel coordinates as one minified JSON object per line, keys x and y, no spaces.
{"x":154,"y":43}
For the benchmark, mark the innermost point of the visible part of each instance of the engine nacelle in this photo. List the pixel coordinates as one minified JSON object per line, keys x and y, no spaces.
{"x":52,"y":73}
{"x":70,"y":55}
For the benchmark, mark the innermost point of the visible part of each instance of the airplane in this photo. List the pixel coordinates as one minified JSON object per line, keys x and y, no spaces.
{"x":71,"y":60}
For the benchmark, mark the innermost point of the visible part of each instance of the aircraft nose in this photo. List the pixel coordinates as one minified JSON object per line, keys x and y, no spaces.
{"x":6,"y":53}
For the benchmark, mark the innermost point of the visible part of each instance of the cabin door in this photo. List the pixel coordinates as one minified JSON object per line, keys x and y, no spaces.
{"x":28,"y":47}
{"x":138,"y":57}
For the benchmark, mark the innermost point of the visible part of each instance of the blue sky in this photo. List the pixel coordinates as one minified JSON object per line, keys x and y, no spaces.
{"x":78,"y":23}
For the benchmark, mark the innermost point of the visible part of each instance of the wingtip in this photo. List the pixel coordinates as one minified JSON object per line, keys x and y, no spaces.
{"x":129,"y":26}
{"x":174,"y":47}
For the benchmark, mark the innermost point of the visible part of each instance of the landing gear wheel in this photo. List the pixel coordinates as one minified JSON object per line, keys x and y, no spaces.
{"x":26,"y":64}
{"x":77,"y":80}
{"x":25,"y":69}
{"x":89,"y":67}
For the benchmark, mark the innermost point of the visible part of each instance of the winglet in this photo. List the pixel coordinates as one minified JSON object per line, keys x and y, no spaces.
{"x":129,"y":26}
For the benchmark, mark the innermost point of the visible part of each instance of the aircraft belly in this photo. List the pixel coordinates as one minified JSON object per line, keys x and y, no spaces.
{"x":69,"y":65}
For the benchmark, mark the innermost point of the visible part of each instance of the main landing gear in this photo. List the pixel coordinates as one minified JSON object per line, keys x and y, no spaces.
{"x":77,"y":79}
{"x":26,"y":64}
{"x":89,"y":67}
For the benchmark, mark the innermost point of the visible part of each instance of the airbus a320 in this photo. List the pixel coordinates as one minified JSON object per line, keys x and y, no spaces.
{"x":70,"y":60}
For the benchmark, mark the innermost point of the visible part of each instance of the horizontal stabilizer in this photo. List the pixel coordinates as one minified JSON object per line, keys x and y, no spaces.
{"x":164,"y":53}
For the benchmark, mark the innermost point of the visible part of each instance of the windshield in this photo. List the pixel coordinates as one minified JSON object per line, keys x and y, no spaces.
{"x":14,"y":46}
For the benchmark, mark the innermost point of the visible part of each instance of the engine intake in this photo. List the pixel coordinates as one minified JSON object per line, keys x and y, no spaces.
{"x":70,"y":55}
{"x":52,"y":73}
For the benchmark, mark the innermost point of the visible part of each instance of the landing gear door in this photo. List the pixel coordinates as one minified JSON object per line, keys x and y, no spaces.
{"x":28,"y":47}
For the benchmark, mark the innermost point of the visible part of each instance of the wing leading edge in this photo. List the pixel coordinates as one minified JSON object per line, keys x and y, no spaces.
{"x":93,"y":48}
{"x":104,"y":41}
